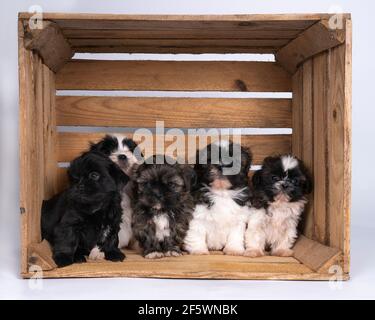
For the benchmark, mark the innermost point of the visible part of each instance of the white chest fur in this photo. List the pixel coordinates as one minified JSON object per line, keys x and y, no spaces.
{"x":220,"y":226}
{"x":283,"y":217}
{"x":162,"y":230}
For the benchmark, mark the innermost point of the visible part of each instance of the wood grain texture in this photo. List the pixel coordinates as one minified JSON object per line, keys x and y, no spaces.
{"x":336,"y":150}
{"x":214,"y":266}
{"x":307,"y":140}
{"x":71,"y":144}
{"x":49,"y":133}
{"x":173,"y":76}
{"x":312,"y":41}
{"x":26,"y":101}
{"x":175,"y":112}
{"x":297,"y":113}
{"x":313,"y":254}
{"x":177,"y":45}
{"x":31,"y":146}
{"x":264,"y":18}
{"x":320,"y":96}
{"x":347,"y":143}
{"x":165,"y":33}
{"x":50,"y":44}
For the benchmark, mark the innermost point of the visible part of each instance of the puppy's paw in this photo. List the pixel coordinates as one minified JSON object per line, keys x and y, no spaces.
{"x":154,"y":255}
{"x":96,"y":254}
{"x":233,"y":251}
{"x":115,"y":256}
{"x":254,"y":253}
{"x":282,"y":252}
{"x":173,"y":253}
{"x":79,"y":259}
{"x":63,"y":260}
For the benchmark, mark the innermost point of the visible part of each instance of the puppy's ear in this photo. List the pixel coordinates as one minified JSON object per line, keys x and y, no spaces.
{"x":190,"y":176}
{"x":106,"y":145}
{"x":246,"y":159}
{"x":307,"y":184}
{"x":257,"y":179}
{"x":130,"y":143}
{"x":118,"y":175}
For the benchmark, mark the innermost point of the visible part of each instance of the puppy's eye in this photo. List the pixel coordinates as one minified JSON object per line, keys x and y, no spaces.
{"x":275,"y":178}
{"x":94,"y":176}
{"x":171,"y":185}
{"x":294,"y":181}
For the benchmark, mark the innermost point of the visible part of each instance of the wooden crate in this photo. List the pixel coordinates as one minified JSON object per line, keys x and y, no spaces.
{"x":313,"y":61}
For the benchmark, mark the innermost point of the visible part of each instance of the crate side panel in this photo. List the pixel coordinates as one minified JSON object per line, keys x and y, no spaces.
{"x":31,"y":146}
{"x":173,"y":76}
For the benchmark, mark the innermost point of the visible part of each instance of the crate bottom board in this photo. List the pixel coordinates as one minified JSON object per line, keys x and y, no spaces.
{"x":213,"y":266}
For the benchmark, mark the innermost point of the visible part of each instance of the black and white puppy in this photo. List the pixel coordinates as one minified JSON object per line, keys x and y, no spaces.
{"x":279,"y":198}
{"x":84,"y":220}
{"x":163,"y":208}
{"x":220,"y":215}
{"x":120,"y":150}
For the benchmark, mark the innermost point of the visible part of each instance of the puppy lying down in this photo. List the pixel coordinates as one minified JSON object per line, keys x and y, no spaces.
{"x":84,"y":220}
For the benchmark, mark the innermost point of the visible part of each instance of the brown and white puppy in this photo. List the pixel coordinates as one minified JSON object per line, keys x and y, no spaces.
{"x":163,"y":208}
{"x":279,"y":198}
{"x":121,"y":150}
{"x":222,"y":193}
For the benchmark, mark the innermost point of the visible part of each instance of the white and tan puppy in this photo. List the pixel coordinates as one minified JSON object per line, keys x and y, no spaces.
{"x":279,"y":198}
{"x":220,"y":215}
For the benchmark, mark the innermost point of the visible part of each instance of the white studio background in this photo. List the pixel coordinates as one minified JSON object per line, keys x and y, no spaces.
{"x":363,"y":214}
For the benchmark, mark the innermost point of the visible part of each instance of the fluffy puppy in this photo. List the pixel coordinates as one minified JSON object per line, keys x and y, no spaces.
{"x":84,"y":220}
{"x":163,"y":208}
{"x":120,"y":150}
{"x":279,"y":199}
{"x":219,"y":218}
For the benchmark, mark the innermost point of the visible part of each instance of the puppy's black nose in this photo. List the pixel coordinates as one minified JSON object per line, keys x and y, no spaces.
{"x":122,"y":157}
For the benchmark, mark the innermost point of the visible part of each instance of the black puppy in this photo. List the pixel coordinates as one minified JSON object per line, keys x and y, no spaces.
{"x":85,"y":219}
{"x":163,"y":208}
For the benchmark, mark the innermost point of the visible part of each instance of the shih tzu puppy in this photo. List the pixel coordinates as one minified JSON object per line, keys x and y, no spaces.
{"x":222,"y":193}
{"x":278,"y":201}
{"x":163,"y":208}
{"x":121,"y":150}
{"x":84,"y":220}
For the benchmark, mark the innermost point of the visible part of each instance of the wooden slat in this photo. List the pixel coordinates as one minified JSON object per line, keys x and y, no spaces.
{"x":213,"y":266}
{"x":31,"y":145}
{"x":320,"y":88}
{"x":347,"y":143}
{"x":297,"y":113}
{"x":175,"y":112}
{"x":26,"y":103}
{"x":178,"y":34}
{"x":49,"y":133}
{"x":336,"y":151}
{"x":313,"y":254}
{"x":339,"y":146}
{"x":174,"y":50}
{"x":178,"y":23}
{"x":307,"y":141}
{"x":99,"y":17}
{"x":177,"y":45}
{"x":314,"y":40}
{"x":173,"y":75}
{"x":50,"y":44}
{"x":71,"y":144}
